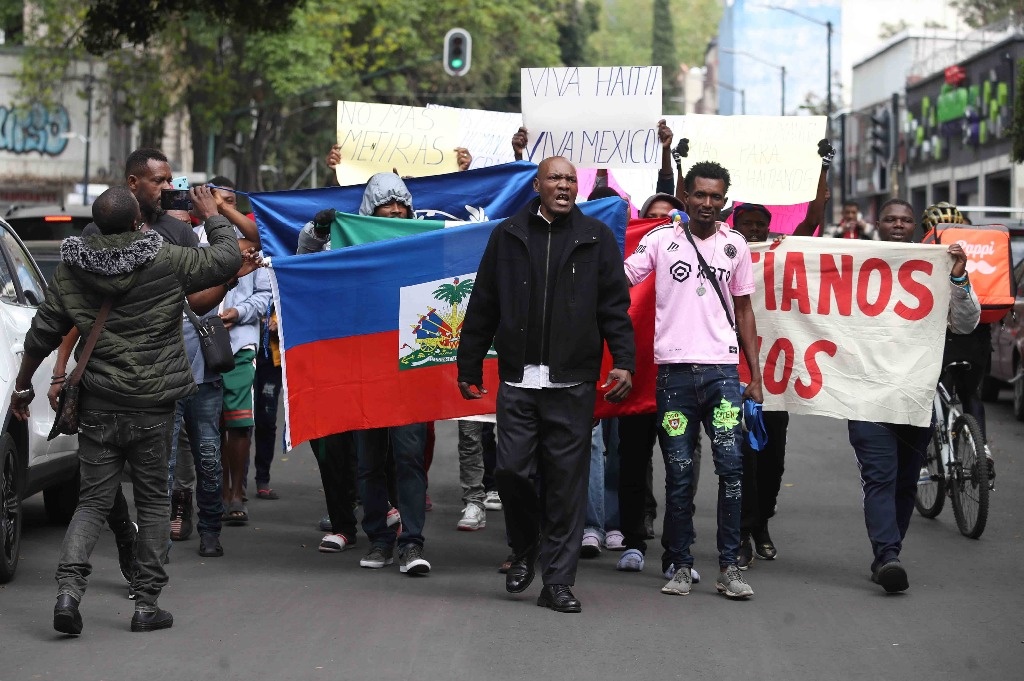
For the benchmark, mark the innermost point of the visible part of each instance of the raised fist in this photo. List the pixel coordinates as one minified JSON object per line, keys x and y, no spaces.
{"x":827,"y":153}
{"x":322,"y":221}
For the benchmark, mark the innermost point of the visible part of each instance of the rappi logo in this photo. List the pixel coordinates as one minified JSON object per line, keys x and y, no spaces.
{"x":976,"y":253}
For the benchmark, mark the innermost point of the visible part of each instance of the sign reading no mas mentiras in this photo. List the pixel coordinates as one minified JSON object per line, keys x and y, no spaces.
{"x":375,"y":138}
{"x":597,"y":117}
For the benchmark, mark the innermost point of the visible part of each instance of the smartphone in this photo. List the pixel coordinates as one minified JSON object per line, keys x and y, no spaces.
{"x":177,"y":198}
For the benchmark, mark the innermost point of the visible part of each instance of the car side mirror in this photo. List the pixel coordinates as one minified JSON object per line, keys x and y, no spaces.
{"x":31,"y":298}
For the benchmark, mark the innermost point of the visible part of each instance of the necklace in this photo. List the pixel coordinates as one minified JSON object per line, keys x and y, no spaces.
{"x":714,"y":251}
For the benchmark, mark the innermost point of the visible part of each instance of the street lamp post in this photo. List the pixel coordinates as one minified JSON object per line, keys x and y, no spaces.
{"x":782,"y":74}
{"x":828,"y":49}
{"x":743,"y":95}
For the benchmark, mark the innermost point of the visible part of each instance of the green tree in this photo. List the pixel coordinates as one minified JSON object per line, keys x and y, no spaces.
{"x":250,"y":94}
{"x":625,"y":37}
{"x":979,"y":13}
{"x":580,"y":19}
{"x":663,"y":53}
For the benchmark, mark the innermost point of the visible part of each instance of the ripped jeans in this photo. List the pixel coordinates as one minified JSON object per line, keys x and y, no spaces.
{"x":689,"y":395}
{"x":200,"y":414}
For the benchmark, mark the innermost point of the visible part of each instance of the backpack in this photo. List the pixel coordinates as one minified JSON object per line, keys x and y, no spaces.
{"x":989,"y":264}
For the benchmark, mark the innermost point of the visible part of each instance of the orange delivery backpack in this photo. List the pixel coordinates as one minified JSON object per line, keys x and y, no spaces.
{"x":989,"y":264}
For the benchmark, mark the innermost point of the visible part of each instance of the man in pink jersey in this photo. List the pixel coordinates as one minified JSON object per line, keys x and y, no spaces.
{"x":704,"y":279}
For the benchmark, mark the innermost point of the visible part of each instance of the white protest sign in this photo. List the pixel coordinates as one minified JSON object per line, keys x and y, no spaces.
{"x":375,"y":138}
{"x":851,"y":329}
{"x":597,"y":117}
{"x":487,"y":134}
{"x":771,"y":160}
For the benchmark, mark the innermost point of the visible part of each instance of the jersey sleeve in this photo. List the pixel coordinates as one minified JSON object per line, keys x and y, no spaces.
{"x":742,"y":282}
{"x":641,"y":263}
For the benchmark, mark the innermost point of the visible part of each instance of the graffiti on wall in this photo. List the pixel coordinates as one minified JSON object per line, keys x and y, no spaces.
{"x":33,"y":128}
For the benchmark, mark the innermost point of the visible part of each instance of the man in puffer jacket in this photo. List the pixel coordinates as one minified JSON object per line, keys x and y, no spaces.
{"x":137,"y":371}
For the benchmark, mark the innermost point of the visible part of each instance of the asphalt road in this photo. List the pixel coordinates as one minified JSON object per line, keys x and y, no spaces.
{"x":275,"y":608}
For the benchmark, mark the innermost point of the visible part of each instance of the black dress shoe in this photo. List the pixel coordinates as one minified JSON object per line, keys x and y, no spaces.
{"x":764,"y":547}
{"x":521,"y":572}
{"x":559,"y":598}
{"x":151,"y":620}
{"x":66,"y":618}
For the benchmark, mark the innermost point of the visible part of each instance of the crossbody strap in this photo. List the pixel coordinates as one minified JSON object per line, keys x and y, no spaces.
{"x":90,"y":342}
{"x":196,"y":322}
{"x":709,"y":275}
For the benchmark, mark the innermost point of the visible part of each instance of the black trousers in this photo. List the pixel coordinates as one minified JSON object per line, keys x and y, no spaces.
{"x":336,"y":457}
{"x":762,"y":473}
{"x":546,"y":431}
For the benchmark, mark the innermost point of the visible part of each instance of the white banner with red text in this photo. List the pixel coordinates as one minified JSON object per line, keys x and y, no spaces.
{"x":851,"y":329}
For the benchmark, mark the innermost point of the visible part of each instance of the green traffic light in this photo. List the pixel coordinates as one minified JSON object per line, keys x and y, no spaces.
{"x":456,"y":63}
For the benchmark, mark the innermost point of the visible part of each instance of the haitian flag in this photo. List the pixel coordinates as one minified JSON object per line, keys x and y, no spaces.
{"x":477,"y":195}
{"x":369,"y":333}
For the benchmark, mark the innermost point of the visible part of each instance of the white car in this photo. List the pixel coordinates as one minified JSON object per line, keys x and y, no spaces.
{"x":28,"y":463}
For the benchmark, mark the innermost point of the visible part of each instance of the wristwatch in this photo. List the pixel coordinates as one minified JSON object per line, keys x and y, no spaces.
{"x":27,"y":394}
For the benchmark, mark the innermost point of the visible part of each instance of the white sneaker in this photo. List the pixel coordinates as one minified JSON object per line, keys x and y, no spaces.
{"x":334,"y":543}
{"x":492,"y":502}
{"x":613,"y":541}
{"x":473,"y":518}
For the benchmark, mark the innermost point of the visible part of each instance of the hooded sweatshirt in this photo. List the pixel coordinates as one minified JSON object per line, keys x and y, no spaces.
{"x":139,"y":361}
{"x":382,"y":188}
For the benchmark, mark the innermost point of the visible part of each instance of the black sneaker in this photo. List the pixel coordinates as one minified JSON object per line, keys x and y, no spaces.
{"x":745,"y":556}
{"x":209,"y":545}
{"x":151,"y":620}
{"x":764,"y":548}
{"x":413,"y":562}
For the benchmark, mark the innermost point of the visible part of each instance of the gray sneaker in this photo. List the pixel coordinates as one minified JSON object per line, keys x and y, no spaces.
{"x":680,"y":583}
{"x":730,"y":584}
{"x":413,"y":562}
{"x":378,"y":557}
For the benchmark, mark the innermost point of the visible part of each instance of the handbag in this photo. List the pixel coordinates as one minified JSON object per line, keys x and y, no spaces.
{"x":66,"y":422}
{"x":213,"y":341}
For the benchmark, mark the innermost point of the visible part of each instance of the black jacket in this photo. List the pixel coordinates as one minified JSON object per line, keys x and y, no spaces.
{"x":590,"y":302}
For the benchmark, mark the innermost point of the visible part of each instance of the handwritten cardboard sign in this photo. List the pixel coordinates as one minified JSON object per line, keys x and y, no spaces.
{"x":487,"y":134}
{"x":770,"y":159}
{"x":597,"y":117}
{"x":375,"y":138}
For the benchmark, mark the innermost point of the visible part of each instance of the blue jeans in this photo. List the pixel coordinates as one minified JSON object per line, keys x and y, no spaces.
{"x":267,"y":392}
{"x":407,"y":444}
{"x":595,"y":488}
{"x":200,"y":414}
{"x":689,"y":395}
{"x":106,"y":440}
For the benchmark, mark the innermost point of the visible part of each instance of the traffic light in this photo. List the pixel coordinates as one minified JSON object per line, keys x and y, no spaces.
{"x":881,"y":134}
{"x":458,"y":51}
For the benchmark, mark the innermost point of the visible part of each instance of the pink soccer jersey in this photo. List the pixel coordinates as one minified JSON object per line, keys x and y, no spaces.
{"x":690,"y":325}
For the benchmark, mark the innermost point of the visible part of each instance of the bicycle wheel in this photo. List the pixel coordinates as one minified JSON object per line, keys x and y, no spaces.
{"x":931,"y":490}
{"x":969,"y":477}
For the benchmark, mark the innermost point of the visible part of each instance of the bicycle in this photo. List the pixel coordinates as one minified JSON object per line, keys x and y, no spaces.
{"x":955,"y":464}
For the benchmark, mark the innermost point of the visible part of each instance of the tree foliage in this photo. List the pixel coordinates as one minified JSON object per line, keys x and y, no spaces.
{"x":980,"y":13}
{"x":258,"y":78}
{"x":663,"y":53}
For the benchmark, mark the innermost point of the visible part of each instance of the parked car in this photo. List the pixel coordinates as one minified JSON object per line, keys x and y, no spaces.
{"x":28,"y":463}
{"x":1007,"y":368}
{"x":42,"y":228}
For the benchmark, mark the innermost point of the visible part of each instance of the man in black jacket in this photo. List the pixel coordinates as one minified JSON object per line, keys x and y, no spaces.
{"x":549,"y":292}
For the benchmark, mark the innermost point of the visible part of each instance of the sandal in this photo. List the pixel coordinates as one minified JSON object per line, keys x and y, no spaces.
{"x":267,"y":493}
{"x":237,"y":513}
